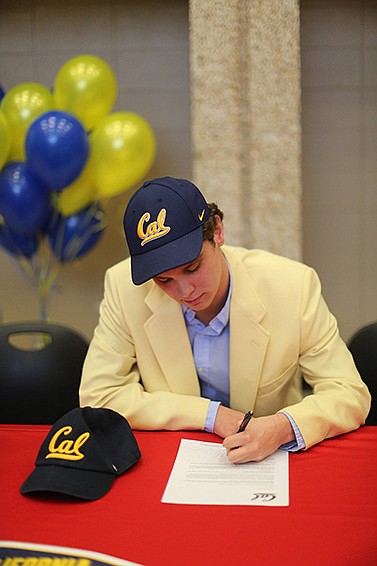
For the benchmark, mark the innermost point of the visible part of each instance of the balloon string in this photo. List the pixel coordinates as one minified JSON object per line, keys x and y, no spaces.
{"x":26,"y":269}
{"x":47,"y":275}
{"x":88,"y":229}
{"x":42,"y":269}
{"x":39,"y":270}
{"x":23,"y":263}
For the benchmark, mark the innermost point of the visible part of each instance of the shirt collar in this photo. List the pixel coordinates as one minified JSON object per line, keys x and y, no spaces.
{"x":219,"y":322}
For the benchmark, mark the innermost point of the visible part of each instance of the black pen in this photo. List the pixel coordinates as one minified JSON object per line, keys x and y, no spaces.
{"x":245,"y":421}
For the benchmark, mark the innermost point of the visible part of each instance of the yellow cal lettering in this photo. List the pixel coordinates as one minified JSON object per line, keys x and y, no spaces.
{"x":66,"y":449}
{"x":155,"y":229}
{"x":140,"y":227}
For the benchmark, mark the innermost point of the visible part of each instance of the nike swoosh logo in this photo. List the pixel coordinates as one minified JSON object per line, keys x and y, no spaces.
{"x":201,"y":216}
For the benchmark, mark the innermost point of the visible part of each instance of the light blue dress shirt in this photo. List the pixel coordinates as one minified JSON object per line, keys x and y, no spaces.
{"x":210,"y":347}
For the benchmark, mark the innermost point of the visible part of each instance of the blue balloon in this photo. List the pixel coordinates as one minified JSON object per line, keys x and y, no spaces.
{"x":2,"y":93}
{"x":15,"y":244}
{"x":25,"y":201}
{"x":57,"y":148}
{"x":73,"y":236}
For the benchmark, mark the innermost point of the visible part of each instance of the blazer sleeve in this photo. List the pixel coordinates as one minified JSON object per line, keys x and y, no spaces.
{"x":111,"y":377}
{"x":340,"y":401}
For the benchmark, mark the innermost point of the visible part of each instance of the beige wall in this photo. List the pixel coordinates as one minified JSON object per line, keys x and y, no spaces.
{"x":339,"y":96}
{"x":246,"y":127}
{"x":146,"y":43}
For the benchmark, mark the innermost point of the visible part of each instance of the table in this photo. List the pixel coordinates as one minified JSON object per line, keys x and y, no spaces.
{"x":331,"y":519}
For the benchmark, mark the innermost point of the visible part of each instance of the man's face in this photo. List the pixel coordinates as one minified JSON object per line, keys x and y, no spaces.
{"x":201,"y":285}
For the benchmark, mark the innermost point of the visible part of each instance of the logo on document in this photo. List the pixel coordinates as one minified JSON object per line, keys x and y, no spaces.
{"x":263,"y":497}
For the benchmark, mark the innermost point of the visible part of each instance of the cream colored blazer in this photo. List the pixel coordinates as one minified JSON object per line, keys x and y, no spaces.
{"x":140,"y":362}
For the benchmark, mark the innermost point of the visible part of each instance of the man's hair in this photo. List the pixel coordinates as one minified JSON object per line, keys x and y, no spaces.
{"x":209,"y":225}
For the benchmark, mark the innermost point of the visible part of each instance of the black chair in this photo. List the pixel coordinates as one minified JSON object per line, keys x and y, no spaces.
{"x":363,"y":346}
{"x":40,"y":371}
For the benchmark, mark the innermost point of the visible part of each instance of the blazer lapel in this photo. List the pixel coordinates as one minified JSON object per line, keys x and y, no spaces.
{"x":167,"y":334}
{"x":248,"y":339}
{"x":168,"y":337}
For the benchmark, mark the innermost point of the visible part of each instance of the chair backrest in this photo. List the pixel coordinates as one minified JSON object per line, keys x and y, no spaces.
{"x":39,"y":384}
{"x":363,"y":346}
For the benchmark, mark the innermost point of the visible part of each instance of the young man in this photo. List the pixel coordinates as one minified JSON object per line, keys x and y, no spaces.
{"x":193,"y":334}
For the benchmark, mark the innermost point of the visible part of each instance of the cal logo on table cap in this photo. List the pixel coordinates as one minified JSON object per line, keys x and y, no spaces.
{"x":163,"y":226}
{"x":83,"y":453}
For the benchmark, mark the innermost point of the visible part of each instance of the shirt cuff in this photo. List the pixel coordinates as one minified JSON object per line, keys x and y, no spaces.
{"x":211,"y":415}
{"x":294,"y":445}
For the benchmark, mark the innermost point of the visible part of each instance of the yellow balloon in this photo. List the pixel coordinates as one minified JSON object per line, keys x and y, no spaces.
{"x":86,"y":87}
{"x":77,"y":195}
{"x":123,"y":149}
{"x":22,"y":105}
{"x":4,"y":139}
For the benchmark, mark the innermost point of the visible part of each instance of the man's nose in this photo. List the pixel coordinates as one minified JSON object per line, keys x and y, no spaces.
{"x":185,"y":288}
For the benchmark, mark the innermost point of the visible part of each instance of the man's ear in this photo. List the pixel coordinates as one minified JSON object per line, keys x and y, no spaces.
{"x":218,"y":235}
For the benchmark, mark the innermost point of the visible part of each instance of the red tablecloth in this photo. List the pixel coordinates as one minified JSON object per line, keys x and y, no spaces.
{"x":331,"y":519}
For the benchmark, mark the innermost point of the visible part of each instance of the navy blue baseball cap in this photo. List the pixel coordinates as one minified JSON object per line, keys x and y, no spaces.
{"x":163,"y":226}
{"x":83,"y":453}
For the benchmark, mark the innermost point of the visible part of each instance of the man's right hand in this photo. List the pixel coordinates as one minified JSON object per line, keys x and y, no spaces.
{"x":227,"y":421}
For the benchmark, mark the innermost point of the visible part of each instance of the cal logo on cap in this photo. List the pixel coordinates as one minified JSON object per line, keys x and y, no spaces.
{"x":66,"y":449}
{"x":154,"y":230}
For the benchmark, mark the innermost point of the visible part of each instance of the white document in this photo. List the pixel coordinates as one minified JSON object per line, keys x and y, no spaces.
{"x":203,"y":475}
